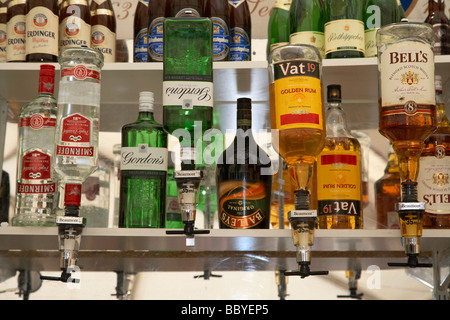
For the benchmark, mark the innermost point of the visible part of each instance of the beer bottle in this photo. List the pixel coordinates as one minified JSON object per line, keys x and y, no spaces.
{"x":240,"y":31}
{"x":219,"y":12}
{"x":15,"y":30}
{"x":74,"y":24}
{"x":103,"y":29}
{"x":140,"y":34}
{"x":178,"y":7}
{"x":157,"y":11}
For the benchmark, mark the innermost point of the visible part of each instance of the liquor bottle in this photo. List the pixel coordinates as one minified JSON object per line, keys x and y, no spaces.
{"x":433,"y":181}
{"x":307,"y":24}
{"x":240,"y":31}
{"x":74,"y":24}
{"x":219,"y":12}
{"x":173,"y":213}
{"x":143,"y":170}
{"x":3,"y":35}
{"x":282,"y":200}
{"x":42,"y":25}
{"x":157,"y":11}
{"x":440,"y":23}
{"x":387,"y":194}
{"x":4,"y":197}
{"x":103,"y":29}
{"x":378,"y":13}
{"x":339,"y":191}
{"x":278,"y":29}
{"x":179,"y":7}
{"x":16,"y":31}
{"x":140,"y":32}
{"x":244,"y":178}
{"x":36,"y":181}
{"x":344,"y":28}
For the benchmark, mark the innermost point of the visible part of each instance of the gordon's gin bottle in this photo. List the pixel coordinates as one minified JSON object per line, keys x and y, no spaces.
{"x":36,"y":186}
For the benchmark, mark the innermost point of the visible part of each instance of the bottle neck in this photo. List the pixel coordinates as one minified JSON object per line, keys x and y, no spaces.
{"x":336,"y":120}
{"x":244,"y":119}
{"x":392,"y":165}
{"x":46,"y":85}
{"x":145,"y":114}
{"x":435,"y":6}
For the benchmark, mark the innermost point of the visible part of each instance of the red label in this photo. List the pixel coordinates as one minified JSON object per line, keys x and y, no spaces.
{"x":72,"y":195}
{"x":37,"y":121}
{"x":36,"y":165}
{"x":76,"y":128}
{"x":75,"y":151}
{"x":36,"y":188}
{"x":80,"y":72}
{"x":299,"y":118}
{"x":338,"y":158}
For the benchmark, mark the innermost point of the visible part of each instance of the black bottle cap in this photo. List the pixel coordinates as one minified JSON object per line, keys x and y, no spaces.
{"x":334,"y":93}
{"x":244,"y":103}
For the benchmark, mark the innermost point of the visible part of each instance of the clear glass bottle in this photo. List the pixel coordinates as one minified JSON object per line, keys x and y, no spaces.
{"x":278,"y":28}
{"x":143,"y":170}
{"x":36,"y":195}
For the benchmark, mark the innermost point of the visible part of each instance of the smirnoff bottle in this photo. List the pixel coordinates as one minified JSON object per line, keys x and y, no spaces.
{"x":36,"y":187}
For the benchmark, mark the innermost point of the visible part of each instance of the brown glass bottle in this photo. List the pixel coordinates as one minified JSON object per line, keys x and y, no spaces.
{"x":74,"y":24}
{"x":177,"y":7}
{"x":42,"y":24}
{"x":440,"y":23}
{"x":15,"y":30}
{"x":244,"y":178}
{"x":103,"y":29}
{"x":240,"y":31}
{"x":219,"y":12}
{"x":140,"y":32}
{"x":3,"y":39}
{"x":157,"y":11}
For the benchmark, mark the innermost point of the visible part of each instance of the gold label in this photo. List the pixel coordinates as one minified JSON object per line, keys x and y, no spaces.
{"x":74,"y":32}
{"x":344,"y":34}
{"x":42,"y":31}
{"x":104,"y":40}
{"x":15,"y":29}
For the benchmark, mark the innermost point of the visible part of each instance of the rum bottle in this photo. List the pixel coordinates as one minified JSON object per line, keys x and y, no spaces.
{"x":339,"y":192}
{"x":307,"y":24}
{"x":42,"y":25}
{"x":434,"y":176}
{"x":36,"y":195}
{"x":244,"y":178}
{"x":219,"y":12}
{"x":103,"y":29}
{"x":157,"y":11}
{"x":440,"y":23}
{"x":240,"y":31}
{"x":180,"y":7}
{"x":278,"y":28}
{"x":344,"y":28}
{"x":3,"y":35}
{"x":16,"y":31}
{"x":74,"y":24}
{"x":140,"y":32}
{"x":143,"y":170}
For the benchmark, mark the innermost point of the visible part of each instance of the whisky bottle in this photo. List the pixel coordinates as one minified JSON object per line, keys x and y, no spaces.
{"x":240,"y":31}
{"x":339,"y":191}
{"x":434,"y":175}
{"x":143,"y":170}
{"x":387,"y":194}
{"x":157,"y":11}
{"x":439,"y":21}
{"x":36,"y":181}
{"x":307,"y":24}
{"x":219,"y":12}
{"x":74,"y":24}
{"x":3,"y":36}
{"x":244,"y":178}
{"x":344,"y":29}
{"x":103,"y":29}
{"x":16,"y":31}
{"x":140,"y":32}
{"x":278,"y":28}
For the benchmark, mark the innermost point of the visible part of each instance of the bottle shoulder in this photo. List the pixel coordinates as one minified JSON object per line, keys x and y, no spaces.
{"x":42,"y":104}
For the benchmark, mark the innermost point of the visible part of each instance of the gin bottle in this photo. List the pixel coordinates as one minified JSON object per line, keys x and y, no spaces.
{"x":143,"y":170}
{"x":36,"y":183}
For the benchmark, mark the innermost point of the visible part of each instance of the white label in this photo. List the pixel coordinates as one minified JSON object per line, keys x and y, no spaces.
{"x":303,"y":214}
{"x":410,"y":206}
{"x":188,"y":94}
{"x":144,"y":157}
{"x":104,"y":40}
{"x":42,"y":31}
{"x":344,"y":34}
{"x":69,"y":220}
{"x":15,"y":29}
{"x":74,"y":32}
{"x":313,"y":38}
{"x":187,"y":174}
{"x":370,"y":43}
{"x":3,"y":42}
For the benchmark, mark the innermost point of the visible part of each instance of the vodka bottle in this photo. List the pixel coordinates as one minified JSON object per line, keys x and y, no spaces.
{"x":36,"y":185}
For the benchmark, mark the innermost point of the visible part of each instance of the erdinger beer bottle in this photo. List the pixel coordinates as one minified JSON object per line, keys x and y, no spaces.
{"x":103,"y":29}
{"x":15,"y":30}
{"x":74,"y":24}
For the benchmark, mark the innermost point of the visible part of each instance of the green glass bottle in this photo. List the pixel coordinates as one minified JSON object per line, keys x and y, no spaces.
{"x":306,"y":19}
{"x":188,"y":79}
{"x":278,"y":29}
{"x":344,"y":29}
{"x":173,"y":212}
{"x":143,"y":170}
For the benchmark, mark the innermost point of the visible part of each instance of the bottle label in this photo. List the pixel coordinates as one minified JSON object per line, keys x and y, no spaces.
{"x":3,"y":42}
{"x":433,"y":180}
{"x":37,"y":121}
{"x":339,"y":183}
{"x":239,"y":45}
{"x":236,"y":3}
{"x":407,"y":79}
{"x":155,"y":39}
{"x":282,"y":4}
{"x":188,"y":93}
{"x":36,"y":167}
{"x":298,"y":95}
{"x":104,"y":40}
{"x":313,"y":38}
{"x":74,"y":32}
{"x":15,"y":29}
{"x":140,"y":46}
{"x":80,"y":72}
{"x":144,"y":157}
{"x":72,"y":194}
{"x":75,"y":128}
{"x":221,"y":39}
{"x":370,"y":43}
{"x":345,"y":34}
{"x":42,"y":31}
{"x":242,"y":204}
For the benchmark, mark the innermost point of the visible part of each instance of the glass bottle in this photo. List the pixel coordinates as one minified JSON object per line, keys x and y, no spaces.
{"x":4,"y":197}
{"x":143,"y":170}
{"x":434,"y":175}
{"x":278,"y":28}
{"x":140,"y":32}
{"x":173,"y":212}
{"x":387,"y":194}
{"x":36,"y":198}
{"x":219,"y":12}
{"x":42,"y":25}
{"x":307,"y":24}
{"x":282,"y":200}
{"x":240,"y":31}
{"x":344,"y":28}
{"x":339,"y":192}
{"x":244,"y":178}
{"x":179,"y":7}
{"x":3,"y":37}
{"x":103,"y":29}
{"x":440,"y":23}
{"x":378,"y":13}
{"x":74,"y":24}
{"x":16,"y":31}
{"x":157,"y":11}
